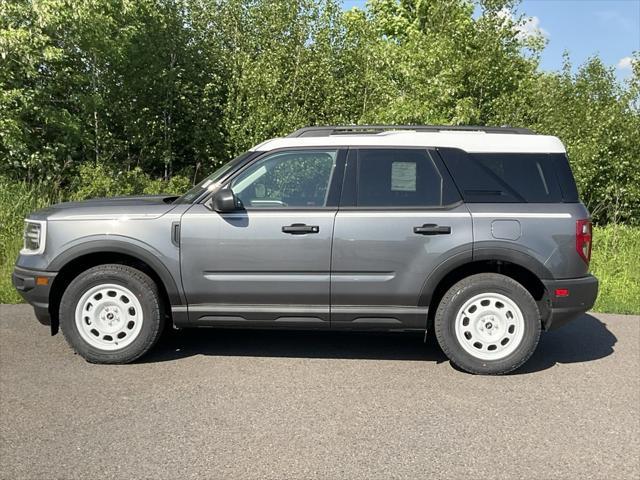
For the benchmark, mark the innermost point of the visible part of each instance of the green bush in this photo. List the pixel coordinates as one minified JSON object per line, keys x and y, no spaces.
{"x":97,"y":180}
{"x":176,"y":186}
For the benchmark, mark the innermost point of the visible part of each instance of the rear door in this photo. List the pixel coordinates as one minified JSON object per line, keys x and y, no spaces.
{"x":267,"y":264}
{"x":400,"y":217}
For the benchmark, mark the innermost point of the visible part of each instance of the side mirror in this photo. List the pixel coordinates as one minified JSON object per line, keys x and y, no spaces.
{"x":224,"y":201}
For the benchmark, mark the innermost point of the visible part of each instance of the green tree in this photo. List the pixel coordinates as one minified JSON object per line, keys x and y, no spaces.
{"x":433,"y":62}
{"x":119,"y":82}
{"x":180,"y":86}
{"x":281,"y":73}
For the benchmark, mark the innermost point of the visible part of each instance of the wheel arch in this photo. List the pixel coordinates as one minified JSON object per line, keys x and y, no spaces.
{"x":515,"y":264}
{"x":99,"y":252}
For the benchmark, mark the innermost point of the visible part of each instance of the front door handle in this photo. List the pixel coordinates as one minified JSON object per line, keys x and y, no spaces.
{"x":300,"y":229}
{"x":432,"y":229}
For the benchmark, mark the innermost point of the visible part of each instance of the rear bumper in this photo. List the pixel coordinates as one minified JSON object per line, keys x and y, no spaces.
{"x":581,"y":297}
{"x":24,"y":280}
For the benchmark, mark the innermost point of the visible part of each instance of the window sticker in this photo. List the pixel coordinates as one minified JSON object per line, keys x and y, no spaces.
{"x":403,"y":176}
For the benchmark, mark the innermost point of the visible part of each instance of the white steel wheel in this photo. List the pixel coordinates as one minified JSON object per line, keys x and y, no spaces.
{"x":489,"y":326}
{"x":109,"y":317}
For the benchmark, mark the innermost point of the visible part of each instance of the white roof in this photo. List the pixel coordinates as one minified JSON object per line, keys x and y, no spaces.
{"x":474,"y":141}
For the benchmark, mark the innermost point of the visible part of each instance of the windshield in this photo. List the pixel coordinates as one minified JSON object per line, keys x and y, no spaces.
{"x":211,"y":180}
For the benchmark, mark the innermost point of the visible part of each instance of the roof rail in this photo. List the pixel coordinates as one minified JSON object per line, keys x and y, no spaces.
{"x":325,"y":131}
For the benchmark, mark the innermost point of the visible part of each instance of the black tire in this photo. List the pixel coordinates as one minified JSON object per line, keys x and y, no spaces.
{"x":145,"y":291}
{"x":464,"y":291}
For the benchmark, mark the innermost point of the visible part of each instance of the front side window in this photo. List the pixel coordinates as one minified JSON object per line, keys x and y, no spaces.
{"x":291,"y":179}
{"x":401,"y":178}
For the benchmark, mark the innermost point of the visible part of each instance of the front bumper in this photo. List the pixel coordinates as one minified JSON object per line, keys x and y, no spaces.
{"x":582,"y":294}
{"x":34,"y":292}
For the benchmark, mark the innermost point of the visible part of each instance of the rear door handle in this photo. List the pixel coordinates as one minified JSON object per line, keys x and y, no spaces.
{"x":432,"y":229}
{"x":300,"y":229}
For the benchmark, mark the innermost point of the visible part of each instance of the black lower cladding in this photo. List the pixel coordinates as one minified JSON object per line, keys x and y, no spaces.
{"x":24,"y":280}
{"x":580,"y":297}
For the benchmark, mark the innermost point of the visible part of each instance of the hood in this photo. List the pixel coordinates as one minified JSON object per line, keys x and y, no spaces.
{"x":132,"y":207}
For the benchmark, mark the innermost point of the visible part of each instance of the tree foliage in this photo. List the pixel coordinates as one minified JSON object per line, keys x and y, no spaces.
{"x":169,"y":87}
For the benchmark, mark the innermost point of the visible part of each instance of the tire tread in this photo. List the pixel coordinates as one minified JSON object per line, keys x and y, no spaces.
{"x":124,"y":273}
{"x":451,"y":348}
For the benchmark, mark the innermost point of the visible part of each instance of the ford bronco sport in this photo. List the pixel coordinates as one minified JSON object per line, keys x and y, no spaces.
{"x":474,"y":233}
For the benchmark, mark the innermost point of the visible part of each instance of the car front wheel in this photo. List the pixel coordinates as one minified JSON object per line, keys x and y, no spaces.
{"x":111,"y":314}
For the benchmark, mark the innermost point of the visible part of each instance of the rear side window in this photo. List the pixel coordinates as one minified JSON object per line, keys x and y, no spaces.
{"x":401,"y":178}
{"x":510,"y":177}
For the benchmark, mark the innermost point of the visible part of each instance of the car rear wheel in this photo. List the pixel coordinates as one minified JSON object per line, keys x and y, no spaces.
{"x":488,"y":324}
{"x":111,"y":314}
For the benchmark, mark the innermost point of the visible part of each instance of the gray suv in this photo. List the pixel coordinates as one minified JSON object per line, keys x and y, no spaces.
{"x":474,"y":233}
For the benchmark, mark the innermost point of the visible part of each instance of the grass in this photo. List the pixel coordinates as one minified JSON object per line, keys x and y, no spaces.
{"x":616,"y":262}
{"x":17,"y":199}
{"x":616,"y":251}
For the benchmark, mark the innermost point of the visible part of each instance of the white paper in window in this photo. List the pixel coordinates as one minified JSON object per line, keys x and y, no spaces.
{"x":403,"y":176}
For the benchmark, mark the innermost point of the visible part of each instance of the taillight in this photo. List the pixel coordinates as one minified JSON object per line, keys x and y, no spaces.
{"x":583,"y":239}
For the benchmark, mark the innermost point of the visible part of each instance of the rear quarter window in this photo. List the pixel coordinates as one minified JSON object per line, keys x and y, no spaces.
{"x":510,"y":177}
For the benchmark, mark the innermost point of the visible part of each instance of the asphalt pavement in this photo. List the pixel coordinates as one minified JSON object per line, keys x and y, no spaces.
{"x":283,"y":405}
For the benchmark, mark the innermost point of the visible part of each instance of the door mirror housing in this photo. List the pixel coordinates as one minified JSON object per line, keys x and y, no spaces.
{"x":224,"y":201}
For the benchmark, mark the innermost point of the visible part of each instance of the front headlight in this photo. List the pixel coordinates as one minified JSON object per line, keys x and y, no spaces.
{"x":35,"y":233}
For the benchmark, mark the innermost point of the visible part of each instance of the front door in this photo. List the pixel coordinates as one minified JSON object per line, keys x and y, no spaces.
{"x":400,"y":217}
{"x":267,"y":264}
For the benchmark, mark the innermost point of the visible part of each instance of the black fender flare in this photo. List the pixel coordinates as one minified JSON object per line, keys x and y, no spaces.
{"x":512,"y":254}
{"x":482,"y":253}
{"x":127,"y":247}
